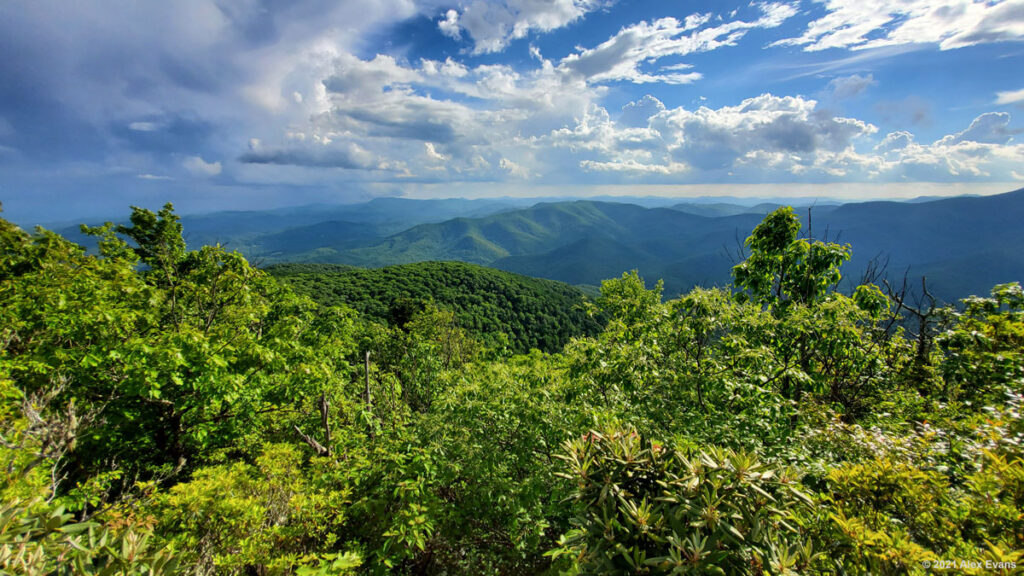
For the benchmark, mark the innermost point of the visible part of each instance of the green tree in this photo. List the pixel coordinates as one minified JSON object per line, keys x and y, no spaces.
{"x":783,"y":268}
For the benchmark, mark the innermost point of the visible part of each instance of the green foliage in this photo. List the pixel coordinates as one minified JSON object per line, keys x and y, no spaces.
{"x":985,"y":345}
{"x":43,"y":539}
{"x":784,"y":269}
{"x":270,"y":514}
{"x":168,"y":363}
{"x":492,"y":305}
{"x":890,"y":516}
{"x":196,"y":416}
{"x":645,"y":507}
{"x":37,"y":535}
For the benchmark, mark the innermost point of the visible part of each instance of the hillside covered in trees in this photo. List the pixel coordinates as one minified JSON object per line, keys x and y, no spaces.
{"x":964,"y":245}
{"x":169,"y":411}
{"x":492,"y":305}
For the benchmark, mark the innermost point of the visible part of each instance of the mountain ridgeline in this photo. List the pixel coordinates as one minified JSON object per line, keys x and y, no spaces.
{"x":490,"y":304}
{"x":963,"y":245}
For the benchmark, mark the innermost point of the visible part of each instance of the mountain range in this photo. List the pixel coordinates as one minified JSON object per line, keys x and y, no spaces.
{"x":963,"y":245}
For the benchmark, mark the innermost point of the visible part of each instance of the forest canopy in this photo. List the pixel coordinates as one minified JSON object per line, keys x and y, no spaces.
{"x":165,"y":411}
{"x":494,"y":306}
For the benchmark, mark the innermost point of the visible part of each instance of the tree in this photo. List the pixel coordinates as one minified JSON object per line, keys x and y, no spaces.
{"x":175,"y":359}
{"x":783,"y":269}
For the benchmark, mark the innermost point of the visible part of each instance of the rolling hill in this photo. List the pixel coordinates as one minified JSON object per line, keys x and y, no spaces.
{"x":963,"y":245}
{"x":532,"y":312}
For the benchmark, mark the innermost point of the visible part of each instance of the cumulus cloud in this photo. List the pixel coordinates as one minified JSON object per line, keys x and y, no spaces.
{"x":449,"y":25}
{"x":785,"y":128}
{"x":771,"y":137}
{"x":989,"y":128}
{"x":432,"y":152}
{"x":514,"y":168}
{"x":207,"y":75}
{"x":864,"y":24}
{"x":201,"y":168}
{"x":765,"y":133}
{"x":436,"y":119}
{"x":492,"y":24}
{"x":634,"y":167}
{"x":895,"y":141}
{"x":964,"y":160}
{"x":427,"y":118}
{"x":637,"y":114}
{"x":622,"y":56}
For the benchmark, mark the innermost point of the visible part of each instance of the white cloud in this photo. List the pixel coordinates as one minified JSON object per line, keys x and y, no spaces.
{"x":850,"y":86}
{"x":634,"y":167}
{"x":445,"y":121}
{"x":199,"y":167}
{"x":449,"y":25}
{"x":1010,"y":97}
{"x":761,"y":135}
{"x":982,"y":151}
{"x":418,"y":119}
{"x":637,"y":114}
{"x":432,"y":152}
{"x":989,"y":128}
{"x":895,"y":141}
{"x":863,"y":24}
{"x":771,"y":138}
{"x":385,"y":119}
{"x":514,"y":168}
{"x":623,"y":56}
{"x":492,"y":24}
{"x":319,"y":152}
{"x":784,"y":127}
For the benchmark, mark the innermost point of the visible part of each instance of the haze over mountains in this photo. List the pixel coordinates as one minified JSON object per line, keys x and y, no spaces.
{"x":963,"y":245}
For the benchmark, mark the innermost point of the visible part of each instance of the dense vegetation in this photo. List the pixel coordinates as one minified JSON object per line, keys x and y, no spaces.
{"x":172,"y":411}
{"x":495,"y":307}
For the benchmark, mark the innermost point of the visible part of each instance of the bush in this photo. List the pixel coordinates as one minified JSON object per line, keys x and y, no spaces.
{"x":643,"y":507}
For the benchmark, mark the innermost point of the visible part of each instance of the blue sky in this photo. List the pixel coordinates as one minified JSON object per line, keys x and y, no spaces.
{"x":237,"y":104}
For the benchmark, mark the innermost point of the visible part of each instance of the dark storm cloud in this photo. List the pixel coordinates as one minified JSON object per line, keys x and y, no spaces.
{"x":416,"y":127}
{"x":347,"y":156}
{"x":164,"y":132}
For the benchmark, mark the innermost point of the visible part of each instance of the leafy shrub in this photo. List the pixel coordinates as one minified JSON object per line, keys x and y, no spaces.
{"x":644,"y":507}
{"x":271,"y":515}
{"x":36,"y":538}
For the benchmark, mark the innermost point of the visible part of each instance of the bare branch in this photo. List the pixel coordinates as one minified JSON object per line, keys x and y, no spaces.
{"x":318,"y":447}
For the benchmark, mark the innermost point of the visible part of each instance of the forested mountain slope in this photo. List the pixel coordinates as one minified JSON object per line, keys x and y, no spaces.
{"x":488,"y":303}
{"x":963,"y":245}
{"x":305,"y":232}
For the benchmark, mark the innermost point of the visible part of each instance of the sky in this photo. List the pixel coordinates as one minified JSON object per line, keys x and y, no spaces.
{"x":250,"y":104}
